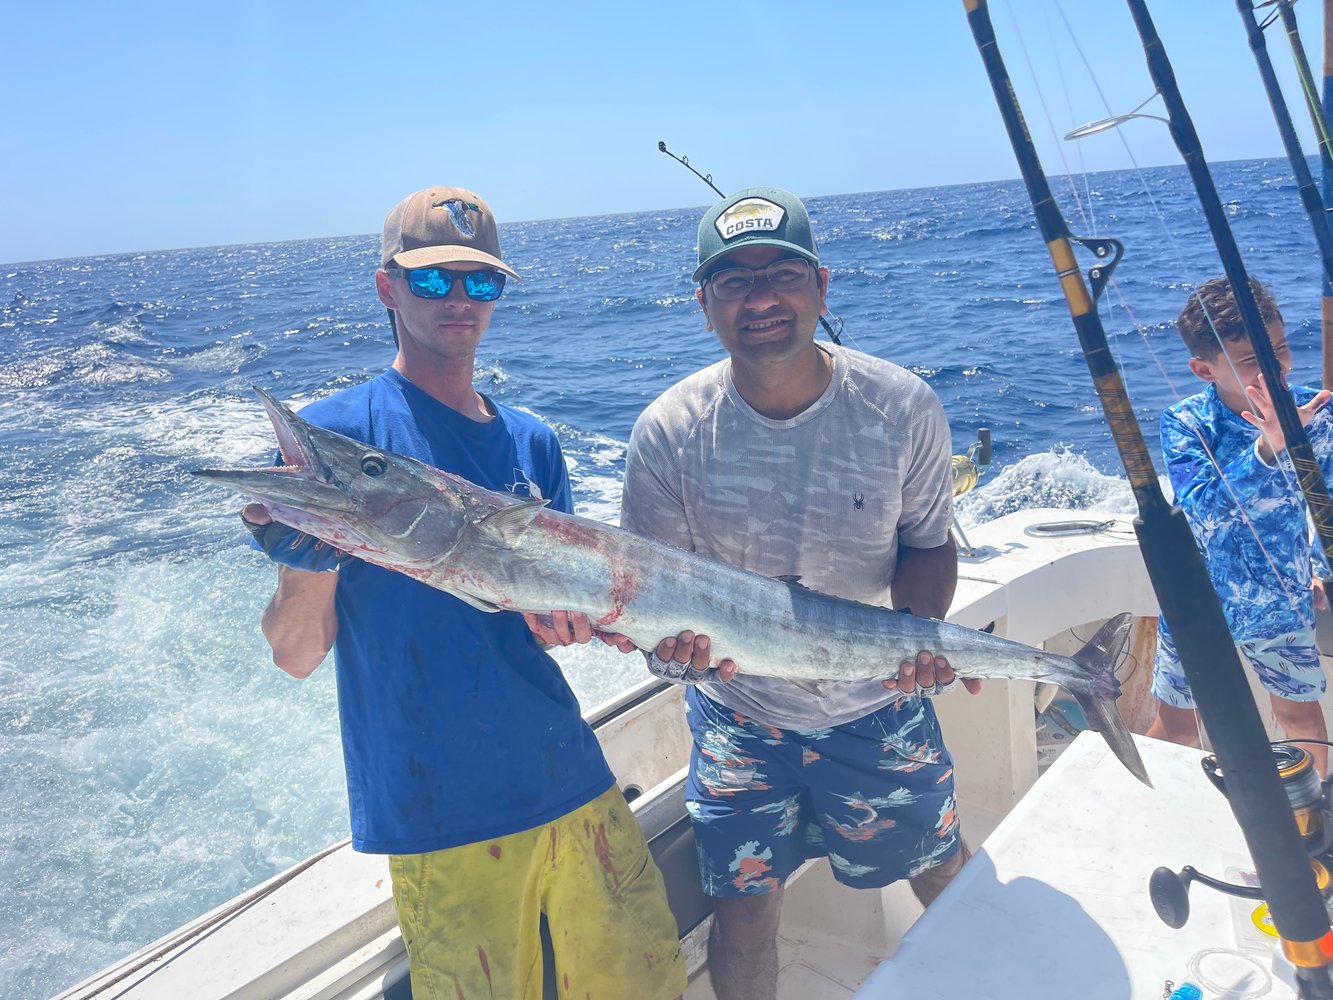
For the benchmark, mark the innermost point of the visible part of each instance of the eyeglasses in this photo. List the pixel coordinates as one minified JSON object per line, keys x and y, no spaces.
{"x":788,"y":275}
{"x":437,"y":282}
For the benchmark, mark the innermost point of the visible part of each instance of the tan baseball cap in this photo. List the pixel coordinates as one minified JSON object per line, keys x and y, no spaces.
{"x":441,"y":225}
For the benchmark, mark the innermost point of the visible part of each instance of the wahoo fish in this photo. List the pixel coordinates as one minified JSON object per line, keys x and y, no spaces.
{"x":499,"y":552}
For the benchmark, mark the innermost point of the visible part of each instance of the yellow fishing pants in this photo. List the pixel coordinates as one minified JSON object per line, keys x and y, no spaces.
{"x":470,"y":915}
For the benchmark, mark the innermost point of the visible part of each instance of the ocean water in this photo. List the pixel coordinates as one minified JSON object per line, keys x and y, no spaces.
{"x":155,"y":763}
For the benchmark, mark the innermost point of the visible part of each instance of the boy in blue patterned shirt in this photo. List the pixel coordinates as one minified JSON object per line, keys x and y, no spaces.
{"x":1226,"y":457}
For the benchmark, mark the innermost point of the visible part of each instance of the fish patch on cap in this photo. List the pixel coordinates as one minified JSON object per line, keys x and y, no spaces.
{"x":749,"y":216}
{"x":458,"y":211}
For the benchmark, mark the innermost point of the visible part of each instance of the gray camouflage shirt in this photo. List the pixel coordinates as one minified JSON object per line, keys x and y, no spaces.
{"x":826,"y":496}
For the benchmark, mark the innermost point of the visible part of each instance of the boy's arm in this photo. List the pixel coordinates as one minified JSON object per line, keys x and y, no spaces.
{"x":1203,"y":490}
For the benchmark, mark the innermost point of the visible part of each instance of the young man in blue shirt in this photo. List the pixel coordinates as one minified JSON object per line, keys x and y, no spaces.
{"x":1226,"y":457}
{"x":468,"y":761}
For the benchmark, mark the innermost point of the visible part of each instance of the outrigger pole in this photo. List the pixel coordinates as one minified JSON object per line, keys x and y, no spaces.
{"x":1184,"y":591}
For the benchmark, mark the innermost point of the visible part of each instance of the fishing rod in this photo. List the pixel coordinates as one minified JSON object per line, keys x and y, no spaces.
{"x":1309,"y":193}
{"x":1191,"y":150}
{"x":1312,"y":200}
{"x":684,"y":161}
{"x":1309,"y":90}
{"x":832,"y":329}
{"x":1307,"y":940}
{"x":1319,"y":116}
{"x":1175,"y":567}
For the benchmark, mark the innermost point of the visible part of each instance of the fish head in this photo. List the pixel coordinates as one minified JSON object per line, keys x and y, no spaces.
{"x":386,"y":508}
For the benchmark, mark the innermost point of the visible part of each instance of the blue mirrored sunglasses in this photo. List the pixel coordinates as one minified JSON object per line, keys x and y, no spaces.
{"x":437,"y":282}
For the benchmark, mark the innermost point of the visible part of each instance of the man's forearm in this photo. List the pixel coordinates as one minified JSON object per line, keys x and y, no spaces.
{"x":300,"y":622}
{"x":925,"y":579}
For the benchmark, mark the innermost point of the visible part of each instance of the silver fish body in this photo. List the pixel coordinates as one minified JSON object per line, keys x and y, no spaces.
{"x":498,"y":552}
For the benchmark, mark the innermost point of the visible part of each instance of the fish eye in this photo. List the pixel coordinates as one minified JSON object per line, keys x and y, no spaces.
{"x":374,"y":465}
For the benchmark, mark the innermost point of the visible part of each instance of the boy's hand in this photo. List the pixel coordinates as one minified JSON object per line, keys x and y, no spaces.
{"x":1262,"y":414}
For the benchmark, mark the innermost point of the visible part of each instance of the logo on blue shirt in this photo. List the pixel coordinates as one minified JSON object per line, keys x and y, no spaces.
{"x":523,"y":486}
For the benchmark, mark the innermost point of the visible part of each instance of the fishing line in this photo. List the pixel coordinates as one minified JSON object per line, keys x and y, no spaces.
{"x":1083,"y":207}
{"x":1086,"y":213}
{"x":1111,"y":121}
{"x":1083,"y":172}
{"x":1105,"y":123}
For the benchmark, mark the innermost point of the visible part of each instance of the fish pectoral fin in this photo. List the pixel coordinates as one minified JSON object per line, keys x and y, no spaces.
{"x":512,"y":522}
{"x":476,"y":602}
{"x":791,"y":581}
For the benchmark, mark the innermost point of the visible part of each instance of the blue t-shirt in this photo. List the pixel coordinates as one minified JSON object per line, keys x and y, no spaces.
{"x":456,"y":726}
{"x":1248,"y":518}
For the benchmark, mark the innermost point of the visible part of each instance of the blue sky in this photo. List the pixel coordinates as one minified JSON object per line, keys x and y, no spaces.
{"x":160,"y":125}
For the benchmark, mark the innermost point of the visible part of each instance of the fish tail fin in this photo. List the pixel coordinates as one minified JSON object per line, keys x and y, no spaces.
{"x":1098,"y":659}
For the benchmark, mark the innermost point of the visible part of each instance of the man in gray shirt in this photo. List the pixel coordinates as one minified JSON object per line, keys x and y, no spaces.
{"x":797,"y":459}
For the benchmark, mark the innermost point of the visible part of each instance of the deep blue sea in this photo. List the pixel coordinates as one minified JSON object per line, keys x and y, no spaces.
{"x":154,"y":762}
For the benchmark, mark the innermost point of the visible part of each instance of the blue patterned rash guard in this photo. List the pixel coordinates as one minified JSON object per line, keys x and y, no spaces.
{"x":456,"y":726}
{"x":1248,"y":517}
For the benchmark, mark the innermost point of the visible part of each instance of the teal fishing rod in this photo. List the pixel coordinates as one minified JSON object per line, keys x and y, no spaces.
{"x":1179,"y":578}
{"x":832,"y":329}
{"x":1311,"y":199}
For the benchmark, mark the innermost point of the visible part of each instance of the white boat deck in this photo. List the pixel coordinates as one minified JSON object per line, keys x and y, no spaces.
{"x":1066,"y":874}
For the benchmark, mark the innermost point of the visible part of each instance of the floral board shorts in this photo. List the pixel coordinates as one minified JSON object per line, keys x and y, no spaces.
{"x":876,"y":796}
{"x":1287,"y":666}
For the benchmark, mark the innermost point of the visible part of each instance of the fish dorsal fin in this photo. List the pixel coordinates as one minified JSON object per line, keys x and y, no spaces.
{"x":791,"y":581}
{"x":475,"y":602}
{"x":512,"y":522}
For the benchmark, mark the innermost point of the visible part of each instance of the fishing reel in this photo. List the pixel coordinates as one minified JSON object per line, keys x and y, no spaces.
{"x":1310,"y":801}
{"x":966,"y":472}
